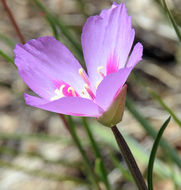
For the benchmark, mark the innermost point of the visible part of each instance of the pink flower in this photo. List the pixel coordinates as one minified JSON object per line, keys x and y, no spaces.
{"x":54,"y":74}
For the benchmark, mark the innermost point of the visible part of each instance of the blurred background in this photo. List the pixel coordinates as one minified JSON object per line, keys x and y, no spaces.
{"x":36,"y":151}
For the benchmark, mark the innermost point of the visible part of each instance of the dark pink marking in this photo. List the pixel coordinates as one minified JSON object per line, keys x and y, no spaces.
{"x":58,"y":84}
{"x":112,"y":65}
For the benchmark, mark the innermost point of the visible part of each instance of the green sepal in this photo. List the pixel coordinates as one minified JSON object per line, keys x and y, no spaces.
{"x":113,"y":115}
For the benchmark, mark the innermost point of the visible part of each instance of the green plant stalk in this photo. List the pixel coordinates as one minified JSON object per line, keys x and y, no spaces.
{"x":53,"y":27}
{"x":81,"y":4}
{"x":7,"y":58}
{"x":83,"y":153}
{"x":162,"y":103}
{"x":7,"y":40}
{"x":173,"y":177}
{"x":61,"y":26}
{"x":13,"y":21}
{"x":172,"y":20}
{"x":153,"y":154}
{"x":40,"y":173}
{"x":146,"y":125}
{"x":130,"y":161}
{"x":97,"y":153}
{"x":151,"y":92}
{"x":138,"y":150}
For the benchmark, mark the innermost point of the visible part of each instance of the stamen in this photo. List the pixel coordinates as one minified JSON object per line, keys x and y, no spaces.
{"x":97,"y":83}
{"x":59,"y":93}
{"x":84,"y":77}
{"x":70,"y":89}
{"x":101,"y":73}
{"x":61,"y":90}
{"x":83,"y":92}
{"x":91,"y":94}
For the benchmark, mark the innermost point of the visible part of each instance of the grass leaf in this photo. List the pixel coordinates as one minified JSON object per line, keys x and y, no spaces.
{"x":7,"y":40}
{"x":150,"y":130}
{"x":162,"y":103}
{"x":153,"y":154}
{"x":172,"y":20}
{"x":7,"y":58}
{"x":99,"y":159}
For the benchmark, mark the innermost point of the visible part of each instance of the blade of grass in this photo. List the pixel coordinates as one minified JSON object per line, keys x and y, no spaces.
{"x":97,"y":153}
{"x":61,"y":26}
{"x":139,"y":151}
{"x":6,"y":57}
{"x":13,"y":21}
{"x":172,"y":20}
{"x":153,"y":154}
{"x":7,"y":40}
{"x":174,"y":175}
{"x":83,"y":153}
{"x":53,"y":27}
{"x":148,"y":90}
{"x":147,"y":126}
{"x":162,"y":103}
{"x":82,"y":4}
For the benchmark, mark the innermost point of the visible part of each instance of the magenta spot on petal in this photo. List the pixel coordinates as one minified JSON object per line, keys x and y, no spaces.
{"x":66,"y":89}
{"x":112,"y":65}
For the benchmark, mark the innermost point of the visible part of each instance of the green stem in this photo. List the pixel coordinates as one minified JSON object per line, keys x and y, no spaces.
{"x":153,"y":154}
{"x":128,"y":157}
{"x":65,"y":31}
{"x":97,"y":153}
{"x":7,"y":58}
{"x":71,"y":128}
{"x":13,"y":21}
{"x":172,"y":20}
{"x":162,"y":103}
{"x":150,"y":130}
{"x":53,"y":27}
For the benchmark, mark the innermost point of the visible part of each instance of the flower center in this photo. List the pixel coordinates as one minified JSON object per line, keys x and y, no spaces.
{"x":64,"y":90}
{"x":87,"y":85}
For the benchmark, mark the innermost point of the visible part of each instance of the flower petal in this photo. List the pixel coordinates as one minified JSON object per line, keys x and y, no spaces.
{"x":136,"y":55}
{"x":45,"y":61}
{"x":109,"y":87}
{"x":68,"y":105}
{"x":108,"y":34}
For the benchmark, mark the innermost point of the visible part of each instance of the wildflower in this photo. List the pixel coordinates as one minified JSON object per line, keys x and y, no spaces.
{"x":54,"y":74}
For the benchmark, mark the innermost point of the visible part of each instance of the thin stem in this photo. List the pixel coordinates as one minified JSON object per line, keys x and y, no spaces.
{"x":172,"y":20}
{"x":131,"y":163}
{"x":7,"y":58}
{"x":97,"y":153}
{"x":65,"y":122}
{"x":11,"y":17}
{"x":171,"y":152}
{"x":70,"y":127}
{"x":153,"y":154}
